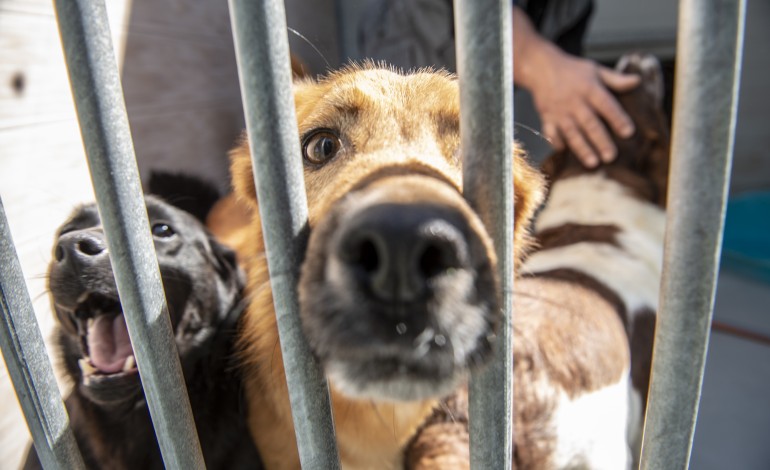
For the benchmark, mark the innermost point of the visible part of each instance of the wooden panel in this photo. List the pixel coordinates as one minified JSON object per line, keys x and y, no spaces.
{"x":33,"y":79}
{"x":183,"y":100}
{"x":43,"y":176}
{"x":181,"y":86}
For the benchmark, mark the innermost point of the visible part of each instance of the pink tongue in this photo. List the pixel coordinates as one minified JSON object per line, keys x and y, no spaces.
{"x":108,"y":343}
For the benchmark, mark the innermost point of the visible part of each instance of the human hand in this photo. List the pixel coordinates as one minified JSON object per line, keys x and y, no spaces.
{"x":572,"y":96}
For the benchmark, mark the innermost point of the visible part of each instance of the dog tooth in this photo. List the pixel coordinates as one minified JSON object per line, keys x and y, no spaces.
{"x":129,"y":364}
{"x":86,"y":367}
{"x":90,"y":322}
{"x":425,"y":337}
{"x":421,"y":350}
{"x":422,"y":342}
{"x":83,"y":297}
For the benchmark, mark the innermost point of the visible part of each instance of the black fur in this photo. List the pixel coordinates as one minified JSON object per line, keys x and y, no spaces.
{"x":203,"y":286}
{"x":189,"y":193}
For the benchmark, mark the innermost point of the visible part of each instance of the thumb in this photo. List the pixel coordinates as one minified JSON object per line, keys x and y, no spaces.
{"x":619,"y":81}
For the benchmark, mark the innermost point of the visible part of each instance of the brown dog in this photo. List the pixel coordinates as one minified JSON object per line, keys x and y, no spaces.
{"x":398,"y":294}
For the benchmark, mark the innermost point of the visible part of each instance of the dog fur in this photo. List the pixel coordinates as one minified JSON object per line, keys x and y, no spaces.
{"x":107,"y":408}
{"x":584,"y":307}
{"x":379,"y":147}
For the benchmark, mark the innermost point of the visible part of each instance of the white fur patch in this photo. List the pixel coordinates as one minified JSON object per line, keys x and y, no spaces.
{"x":632,"y":271}
{"x":595,"y":199}
{"x":633,"y":280}
{"x":635,"y":422}
{"x":602,"y":429}
{"x":591,"y":429}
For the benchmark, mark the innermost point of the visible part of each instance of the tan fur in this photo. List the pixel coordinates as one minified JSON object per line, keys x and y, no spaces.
{"x":387,"y":120}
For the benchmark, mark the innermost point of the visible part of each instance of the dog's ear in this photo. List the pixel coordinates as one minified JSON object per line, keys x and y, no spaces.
{"x":553,"y":165}
{"x":225,"y":261}
{"x":528,"y":194}
{"x":241,"y":171}
{"x":192,"y":194}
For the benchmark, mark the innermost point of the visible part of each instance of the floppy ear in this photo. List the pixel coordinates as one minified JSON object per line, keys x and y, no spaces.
{"x":192,"y":194}
{"x":553,"y":165}
{"x":528,"y":193}
{"x":241,"y":171}
{"x":305,"y":94}
{"x":225,"y":261}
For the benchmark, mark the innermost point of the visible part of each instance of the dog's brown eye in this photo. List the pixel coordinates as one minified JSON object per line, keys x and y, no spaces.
{"x":320,"y":146}
{"x":162,"y":230}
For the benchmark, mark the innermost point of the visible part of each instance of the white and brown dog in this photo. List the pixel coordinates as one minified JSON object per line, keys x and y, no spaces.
{"x":584,"y":306}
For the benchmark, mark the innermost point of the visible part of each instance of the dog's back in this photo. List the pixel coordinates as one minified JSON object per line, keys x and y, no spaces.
{"x":585,"y":308}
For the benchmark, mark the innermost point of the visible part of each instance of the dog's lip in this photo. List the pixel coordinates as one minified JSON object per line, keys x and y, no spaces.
{"x":102,"y":332}
{"x":93,"y":375}
{"x":418,"y":354}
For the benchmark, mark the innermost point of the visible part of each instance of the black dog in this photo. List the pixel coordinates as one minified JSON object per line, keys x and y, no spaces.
{"x":203,"y":287}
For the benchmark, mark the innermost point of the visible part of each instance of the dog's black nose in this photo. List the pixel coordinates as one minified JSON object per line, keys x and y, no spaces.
{"x":82,"y":247}
{"x":397,"y":249}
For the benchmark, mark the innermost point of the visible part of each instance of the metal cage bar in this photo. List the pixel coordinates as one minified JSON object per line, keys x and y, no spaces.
{"x":262,"y":51}
{"x":101,"y":111}
{"x":28,"y":364}
{"x":709,"y":59}
{"x":709,"y":50}
{"x":485,"y":70}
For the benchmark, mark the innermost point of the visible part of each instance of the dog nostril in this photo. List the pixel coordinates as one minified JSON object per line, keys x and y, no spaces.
{"x":90,"y":247}
{"x":435,"y":259}
{"x":367,"y":257}
{"x":59,"y":253}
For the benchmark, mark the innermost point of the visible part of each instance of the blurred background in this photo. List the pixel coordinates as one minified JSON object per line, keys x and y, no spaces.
{"x":181,"y":91}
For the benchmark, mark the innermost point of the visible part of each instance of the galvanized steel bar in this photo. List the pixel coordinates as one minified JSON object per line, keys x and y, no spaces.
{"x":709,"y":54}
{"x":485,"y":69}
{"x":104,"y":128}
{"x":262,"y":52}
{"x":28,"y":364}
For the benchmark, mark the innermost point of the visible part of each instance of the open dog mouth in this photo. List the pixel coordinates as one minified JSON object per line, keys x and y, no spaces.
{"x":104,"y":341}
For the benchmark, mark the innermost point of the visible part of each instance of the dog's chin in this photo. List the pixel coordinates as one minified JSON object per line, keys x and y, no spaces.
{"x":391,"y":380}
{"x":120,"y":390}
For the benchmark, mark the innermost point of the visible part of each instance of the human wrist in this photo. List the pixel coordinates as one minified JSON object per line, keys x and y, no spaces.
{"x":532,"y":60}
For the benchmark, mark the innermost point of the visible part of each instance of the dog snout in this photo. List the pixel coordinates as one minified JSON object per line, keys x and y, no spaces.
{"x":396,"y":250}
{"x":82,"y":248}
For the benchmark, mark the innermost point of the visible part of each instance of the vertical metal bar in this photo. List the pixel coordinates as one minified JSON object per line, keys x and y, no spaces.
{"x":262,"y":52}
{"x":709,"y":54}
{"x":485,"y":68}
{"x":104,"y":128}
{"x":28,"y":364}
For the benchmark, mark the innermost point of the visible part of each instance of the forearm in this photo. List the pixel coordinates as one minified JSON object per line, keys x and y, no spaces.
{"x":530,"y":50}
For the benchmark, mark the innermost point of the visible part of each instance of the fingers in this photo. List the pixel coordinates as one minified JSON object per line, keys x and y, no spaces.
{"x":594,"y":131}
{"x":552,"y":134}
{"x":609,"y":109}
{"x":585,"y":134}
{"x":582,"y":113}
{"x":577,"y":143}
{"x":619,"y":81}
